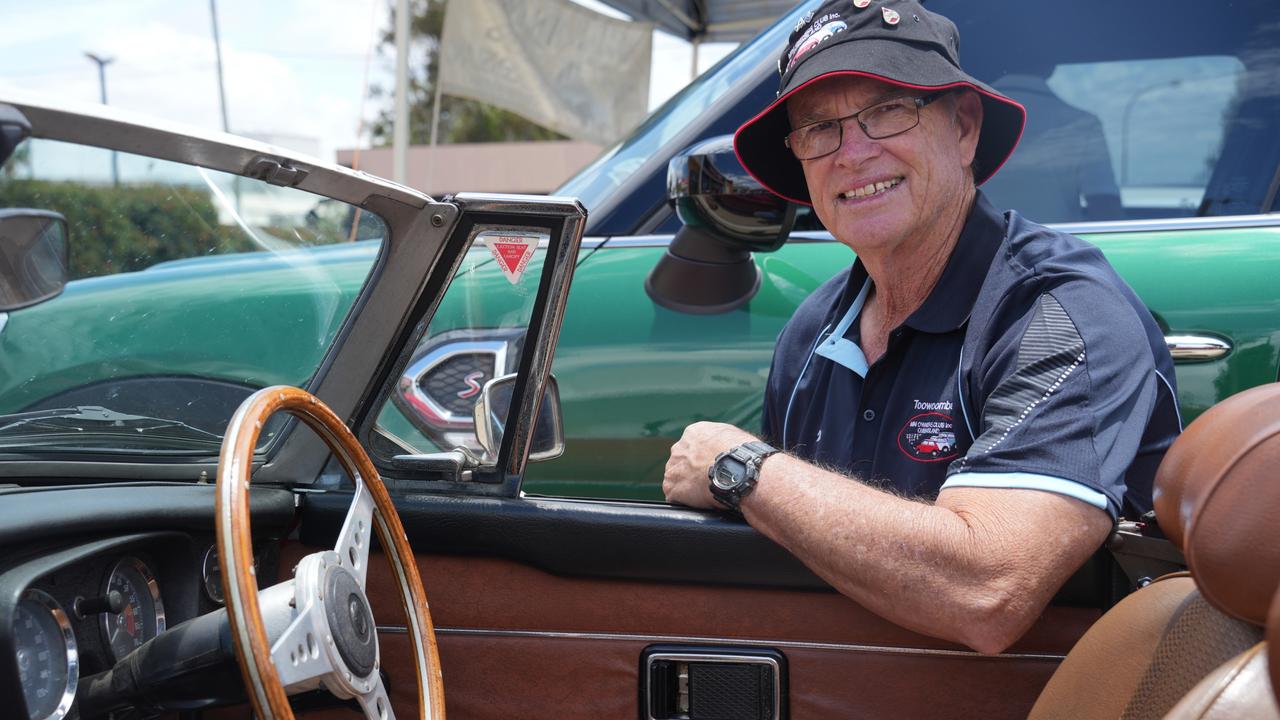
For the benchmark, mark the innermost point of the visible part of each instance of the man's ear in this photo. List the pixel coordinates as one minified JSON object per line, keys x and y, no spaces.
{"x":968,"y":123}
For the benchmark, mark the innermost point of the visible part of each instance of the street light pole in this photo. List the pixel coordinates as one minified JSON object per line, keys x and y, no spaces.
{"x":102,"y":63}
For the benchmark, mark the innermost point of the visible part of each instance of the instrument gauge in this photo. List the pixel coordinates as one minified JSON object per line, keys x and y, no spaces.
{"x":48,"y":661}
{"x":212,"y":575}
{"x":142,"y":616}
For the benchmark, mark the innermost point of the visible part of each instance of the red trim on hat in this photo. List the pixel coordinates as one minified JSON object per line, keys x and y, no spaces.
{"x":857,"y":73}
{"x":764,"y":184}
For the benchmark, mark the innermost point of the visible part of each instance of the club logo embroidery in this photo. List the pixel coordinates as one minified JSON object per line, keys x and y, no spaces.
{"x":929,"y":436}
{"x":823,"y":29}
{"x":891,"y":16}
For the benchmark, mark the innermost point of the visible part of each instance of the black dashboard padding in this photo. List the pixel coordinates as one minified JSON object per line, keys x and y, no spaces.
{"x":31,"y":514}
{"x":622,"y":540}
{"x":575,"y":537}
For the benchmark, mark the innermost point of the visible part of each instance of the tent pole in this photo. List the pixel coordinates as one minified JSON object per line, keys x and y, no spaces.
{"x":693,"y":67}
{"x":400,"y":128}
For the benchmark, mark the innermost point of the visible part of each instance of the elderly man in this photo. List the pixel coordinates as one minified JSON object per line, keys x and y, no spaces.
{"x":957,"y":419}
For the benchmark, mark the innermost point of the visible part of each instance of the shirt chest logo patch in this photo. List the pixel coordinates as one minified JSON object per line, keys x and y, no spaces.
{"x":929,"y":436}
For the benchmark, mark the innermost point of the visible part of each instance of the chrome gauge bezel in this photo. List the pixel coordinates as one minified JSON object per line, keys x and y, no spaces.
{"x":153,"y":587}
{"x":212,"y":590}
{"x":73,"y":653}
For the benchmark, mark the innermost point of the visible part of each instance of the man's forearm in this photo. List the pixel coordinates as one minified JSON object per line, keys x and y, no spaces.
{"x":954,"y":569}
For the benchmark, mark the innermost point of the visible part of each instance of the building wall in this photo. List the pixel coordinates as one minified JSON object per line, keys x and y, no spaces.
{"x":518,"y":167}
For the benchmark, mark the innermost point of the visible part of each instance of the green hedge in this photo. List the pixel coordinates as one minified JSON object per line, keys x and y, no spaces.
{"x":117,"y":229}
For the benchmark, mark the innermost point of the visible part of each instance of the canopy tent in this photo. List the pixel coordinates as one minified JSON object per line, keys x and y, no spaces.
{"x":706,"y":20}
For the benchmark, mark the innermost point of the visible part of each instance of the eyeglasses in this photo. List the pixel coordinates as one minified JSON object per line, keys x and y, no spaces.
{"x":880,"y":121}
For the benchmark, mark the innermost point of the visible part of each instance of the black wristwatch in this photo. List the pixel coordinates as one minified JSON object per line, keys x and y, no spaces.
{"x":734,"y":473}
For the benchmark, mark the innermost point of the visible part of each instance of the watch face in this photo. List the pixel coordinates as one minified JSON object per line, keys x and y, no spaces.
{"x":728,"y":473}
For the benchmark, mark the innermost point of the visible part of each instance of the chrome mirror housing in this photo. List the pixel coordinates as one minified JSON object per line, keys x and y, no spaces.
{"x":493,"y":409}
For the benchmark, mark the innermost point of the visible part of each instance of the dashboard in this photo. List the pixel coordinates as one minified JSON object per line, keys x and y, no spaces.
{"x":84,"y":590}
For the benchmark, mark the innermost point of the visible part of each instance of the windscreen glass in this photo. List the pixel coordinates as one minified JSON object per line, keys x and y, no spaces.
{"x":188,"y":289}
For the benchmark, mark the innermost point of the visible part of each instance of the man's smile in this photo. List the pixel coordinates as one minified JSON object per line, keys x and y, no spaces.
{"x":871,"y":190}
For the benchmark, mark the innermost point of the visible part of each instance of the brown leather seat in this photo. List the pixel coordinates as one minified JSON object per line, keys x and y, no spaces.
{"x":1240,"y":687}
{"x":1215,"y":495}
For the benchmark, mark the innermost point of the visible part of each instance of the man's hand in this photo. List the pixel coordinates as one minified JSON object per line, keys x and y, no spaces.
{"x":685,"y":480}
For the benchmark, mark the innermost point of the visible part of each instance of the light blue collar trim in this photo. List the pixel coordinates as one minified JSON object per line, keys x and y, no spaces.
{"x":841,"y":350}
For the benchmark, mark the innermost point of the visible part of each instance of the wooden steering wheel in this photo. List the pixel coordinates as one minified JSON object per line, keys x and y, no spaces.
{"x":316,"y":630}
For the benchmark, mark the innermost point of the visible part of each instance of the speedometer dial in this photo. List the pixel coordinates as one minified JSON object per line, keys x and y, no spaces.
{"x":142,"y":617}
{"x":48,"y":663}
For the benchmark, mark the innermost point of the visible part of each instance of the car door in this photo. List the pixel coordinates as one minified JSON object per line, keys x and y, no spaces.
{"x":554,"y":607}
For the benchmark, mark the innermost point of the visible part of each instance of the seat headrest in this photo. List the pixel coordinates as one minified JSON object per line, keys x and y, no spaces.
{"x":1217,"y":496}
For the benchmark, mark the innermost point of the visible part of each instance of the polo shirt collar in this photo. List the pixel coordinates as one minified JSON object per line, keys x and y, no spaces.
{"x":952,"y":298}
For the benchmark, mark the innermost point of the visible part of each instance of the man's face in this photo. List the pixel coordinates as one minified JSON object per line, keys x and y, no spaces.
{"x":925,"y":168}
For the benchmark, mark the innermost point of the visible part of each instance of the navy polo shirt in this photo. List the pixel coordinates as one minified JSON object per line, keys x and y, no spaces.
{"x":1030,"y":365}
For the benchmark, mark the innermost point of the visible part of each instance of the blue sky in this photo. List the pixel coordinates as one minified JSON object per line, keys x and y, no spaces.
{"x":292,"y":67}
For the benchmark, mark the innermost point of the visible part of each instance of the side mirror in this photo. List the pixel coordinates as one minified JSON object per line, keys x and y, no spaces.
{"x":14,"y":128}
{"x":726,"y":216}
{"x":494,"y":407}
{"x":711,"y":190}
{"x":33,"y":257}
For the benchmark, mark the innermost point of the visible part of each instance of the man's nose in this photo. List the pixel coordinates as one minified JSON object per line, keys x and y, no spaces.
{"x":855,"y":145}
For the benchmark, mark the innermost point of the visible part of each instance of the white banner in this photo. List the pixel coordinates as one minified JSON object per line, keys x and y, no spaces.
{"x":552,"y":61}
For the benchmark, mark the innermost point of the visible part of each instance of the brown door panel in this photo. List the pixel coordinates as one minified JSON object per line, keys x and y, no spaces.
{"x":519,"y":642}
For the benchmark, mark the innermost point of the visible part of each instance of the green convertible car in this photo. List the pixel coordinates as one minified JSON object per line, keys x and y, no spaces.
{"x":516,"y":369}
{"x":1153,"y":133}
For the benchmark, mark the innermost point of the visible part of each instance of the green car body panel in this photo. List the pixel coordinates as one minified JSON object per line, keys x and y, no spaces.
{"x":632,"y":374}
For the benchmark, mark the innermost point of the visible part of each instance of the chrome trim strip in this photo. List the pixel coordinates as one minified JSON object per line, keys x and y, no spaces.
{"x":1196,"y":348}
{"x":1187,"y":223}
{"x":693,"y":639}
{"x":112,"y":128}
{"x":1078,"y":228}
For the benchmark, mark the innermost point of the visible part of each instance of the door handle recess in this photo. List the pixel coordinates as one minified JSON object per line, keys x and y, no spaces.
{"x":1196,"y":348}
{"x":690,"y":682}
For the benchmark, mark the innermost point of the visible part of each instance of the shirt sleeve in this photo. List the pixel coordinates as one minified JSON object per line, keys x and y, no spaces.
{"x":1066,"y":395}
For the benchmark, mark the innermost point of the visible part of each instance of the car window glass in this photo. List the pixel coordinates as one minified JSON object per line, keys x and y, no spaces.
{"x":189,"y":289}
{"x":1177,"y":120}
{"x":1146,"y":148}
{"x":476,"y":334}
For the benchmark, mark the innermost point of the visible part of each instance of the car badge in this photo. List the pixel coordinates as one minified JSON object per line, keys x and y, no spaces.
{"x":891,"y":16}
{"x":473,"y":383}
{"x":512,"y":251}
{"x":862,"y":4}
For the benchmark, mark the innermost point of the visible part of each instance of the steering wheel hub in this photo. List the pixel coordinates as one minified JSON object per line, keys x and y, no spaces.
{"x":350,"y":621}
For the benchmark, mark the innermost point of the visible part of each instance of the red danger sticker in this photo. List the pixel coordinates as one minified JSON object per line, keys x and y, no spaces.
{"x":512,"y":252}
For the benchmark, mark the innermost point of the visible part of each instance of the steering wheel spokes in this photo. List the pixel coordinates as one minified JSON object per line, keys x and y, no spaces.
{"x":352,"y":549}
{"x":321,"y":627}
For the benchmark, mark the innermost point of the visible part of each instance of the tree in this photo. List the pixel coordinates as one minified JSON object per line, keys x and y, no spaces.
{"x":461,"y":120}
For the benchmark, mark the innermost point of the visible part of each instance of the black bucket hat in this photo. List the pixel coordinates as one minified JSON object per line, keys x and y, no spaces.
{"x":895,"y":41}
